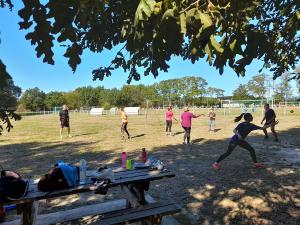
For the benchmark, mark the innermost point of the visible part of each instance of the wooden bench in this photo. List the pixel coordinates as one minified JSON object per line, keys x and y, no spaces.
{"x":113,"y":212}
{"x":132,"y":184}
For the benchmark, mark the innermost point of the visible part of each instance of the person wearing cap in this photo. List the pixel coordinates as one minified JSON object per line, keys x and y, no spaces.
{"x":186,"y":123}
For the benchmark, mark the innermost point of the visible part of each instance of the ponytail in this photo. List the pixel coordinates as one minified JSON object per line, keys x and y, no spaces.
{"x":238,"y":118}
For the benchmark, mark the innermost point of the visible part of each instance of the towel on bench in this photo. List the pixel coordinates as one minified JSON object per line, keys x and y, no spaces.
{"x":70,"y":173}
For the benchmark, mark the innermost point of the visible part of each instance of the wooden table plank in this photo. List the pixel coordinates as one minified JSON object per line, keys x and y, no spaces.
{"x":128,"y":177}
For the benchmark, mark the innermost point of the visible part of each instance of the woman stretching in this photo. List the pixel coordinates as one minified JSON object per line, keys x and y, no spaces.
{"x":124,"y":118}
{"x":169,"y":120}
{"x":238,"y":139}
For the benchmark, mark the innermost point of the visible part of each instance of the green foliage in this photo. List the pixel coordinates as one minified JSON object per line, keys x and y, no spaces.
{"x":241,"y":93}
{"x":33,"y":99}
{"x":54,"y":99}
{"x":257,"y":87}
{"x":72,"y":100}
{"x":89,"y":96}
{"x":283,"y":90}
{"x":8,"y":99}
{"x":228,"y":33}
{"x":192,"y":87}
{"x":186,"y":90}
{"x":106,"y":106}
{"x":214,"y":92}
{"x":4,"y":75}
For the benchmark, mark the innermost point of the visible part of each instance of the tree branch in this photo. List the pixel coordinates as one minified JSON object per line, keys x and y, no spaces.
{"x":194,"y":3}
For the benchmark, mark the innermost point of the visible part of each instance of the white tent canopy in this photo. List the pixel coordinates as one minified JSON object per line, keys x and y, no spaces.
{"x":132,"y":110}
{"x":96,"y":111}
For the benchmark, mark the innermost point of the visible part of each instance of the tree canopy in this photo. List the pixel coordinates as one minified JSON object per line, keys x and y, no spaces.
{"x":241,"y":93}
{"x":33,"y":99}
{"x":8,"y":99}
{"x":193,"y":90}
{"x":149,"y":32}
{"x":257,"y":86}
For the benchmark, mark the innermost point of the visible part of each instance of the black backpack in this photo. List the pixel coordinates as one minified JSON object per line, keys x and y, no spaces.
{"x":12,"y":187}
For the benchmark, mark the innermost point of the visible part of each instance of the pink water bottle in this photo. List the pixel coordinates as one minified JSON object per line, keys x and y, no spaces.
{"x":124,"y":157}
{"x":143,"y":155}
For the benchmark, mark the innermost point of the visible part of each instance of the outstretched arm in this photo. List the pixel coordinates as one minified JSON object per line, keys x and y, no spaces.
{"x":262,"y":121}
{"x":196,"y":116}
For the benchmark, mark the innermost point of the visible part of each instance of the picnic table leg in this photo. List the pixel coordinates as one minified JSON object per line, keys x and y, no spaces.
{"x":136,"y":196}
{"x":30,"y":210}
{"x":139,"y":191}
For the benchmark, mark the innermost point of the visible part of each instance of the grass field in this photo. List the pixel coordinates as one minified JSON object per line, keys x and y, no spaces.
{"x":237,"y":194}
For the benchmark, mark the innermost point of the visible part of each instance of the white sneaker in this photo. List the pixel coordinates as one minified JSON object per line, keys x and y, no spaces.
{"x":61,"y":137}
{"x":69,"y":135}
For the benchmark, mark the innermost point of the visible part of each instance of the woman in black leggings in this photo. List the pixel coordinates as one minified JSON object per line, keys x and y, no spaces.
{"x":124,"y":124}
{"x":238,"y":139}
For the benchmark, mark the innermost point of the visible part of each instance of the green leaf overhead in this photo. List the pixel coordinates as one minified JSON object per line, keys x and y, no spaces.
{"x":229,"y":33}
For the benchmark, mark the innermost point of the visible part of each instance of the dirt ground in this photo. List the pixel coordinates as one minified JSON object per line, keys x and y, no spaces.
{"x":236,"y":194}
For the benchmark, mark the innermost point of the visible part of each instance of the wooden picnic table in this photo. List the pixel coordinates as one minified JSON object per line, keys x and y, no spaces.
{"x":132,"y":183}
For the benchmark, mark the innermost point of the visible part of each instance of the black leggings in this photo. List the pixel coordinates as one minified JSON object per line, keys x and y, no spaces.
{"x":124,"y":128}
{"x":187,"y":134}
{"x":241,"y":143}
{"x":168,"y":125}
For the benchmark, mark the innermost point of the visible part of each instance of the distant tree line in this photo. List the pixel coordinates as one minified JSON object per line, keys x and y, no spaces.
{"x":262,"y":86}
{"x":190,"y":90}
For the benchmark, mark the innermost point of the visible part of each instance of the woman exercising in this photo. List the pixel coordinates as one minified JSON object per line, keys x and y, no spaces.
{"x":238,"y":139}
{"x":124,"y":124}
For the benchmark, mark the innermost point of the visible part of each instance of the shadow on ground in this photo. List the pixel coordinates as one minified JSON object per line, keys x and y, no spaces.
{"x":137,"y":136}
{"x":177,"y":133}
{"x":236,"y":194}
{"x":36,"y":158}
{"x":85,"y":134}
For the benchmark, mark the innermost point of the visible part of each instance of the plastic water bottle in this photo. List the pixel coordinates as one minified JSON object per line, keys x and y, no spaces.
{"x":82,"y":172}
{"x":143,"y":155}
{"x":124,"y":157}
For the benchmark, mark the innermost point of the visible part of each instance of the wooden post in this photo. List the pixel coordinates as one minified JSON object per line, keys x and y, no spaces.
{"x":30,"y":210}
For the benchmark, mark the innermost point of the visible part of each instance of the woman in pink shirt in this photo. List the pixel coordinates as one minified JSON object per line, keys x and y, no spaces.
{"x":186,"y":123}
{"x":169,"y":120}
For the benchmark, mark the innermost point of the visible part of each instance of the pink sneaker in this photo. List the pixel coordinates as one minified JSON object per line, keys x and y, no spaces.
{"x":258,"y":165}
{"x":216,"y":166}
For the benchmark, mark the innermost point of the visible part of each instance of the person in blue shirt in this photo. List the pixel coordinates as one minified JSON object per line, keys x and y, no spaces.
{"x":238,"y":139}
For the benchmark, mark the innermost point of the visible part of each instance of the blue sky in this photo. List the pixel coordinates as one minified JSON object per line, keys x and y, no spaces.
{"x":29,"y":71}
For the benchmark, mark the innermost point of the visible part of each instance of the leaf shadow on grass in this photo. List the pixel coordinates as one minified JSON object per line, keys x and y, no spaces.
{"x":236,"y":194}
{"x":36,"y":158}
